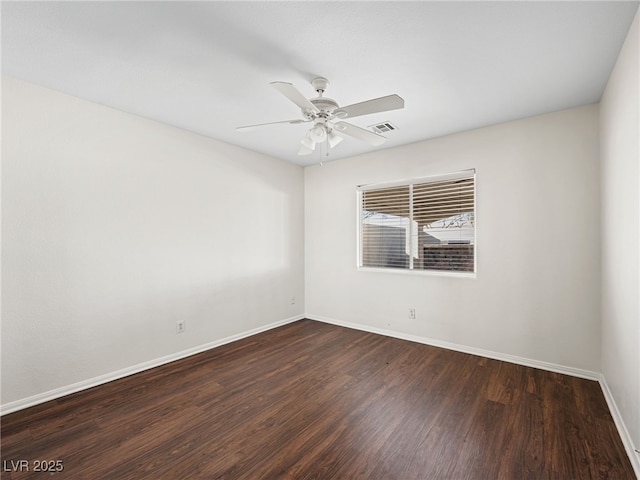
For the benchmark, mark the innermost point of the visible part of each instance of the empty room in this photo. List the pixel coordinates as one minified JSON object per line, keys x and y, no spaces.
{"x":320,"y":240}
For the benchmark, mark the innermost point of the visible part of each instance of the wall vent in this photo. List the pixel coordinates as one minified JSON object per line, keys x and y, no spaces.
{"x":383,"y":127}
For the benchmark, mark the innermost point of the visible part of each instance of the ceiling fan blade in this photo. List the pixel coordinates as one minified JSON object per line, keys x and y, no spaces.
{"x":382,"y":104}
{"x":293,"y":94}
{"x":251,"y":127}
{"x":333,"y":139}
{"x":360,"y":133}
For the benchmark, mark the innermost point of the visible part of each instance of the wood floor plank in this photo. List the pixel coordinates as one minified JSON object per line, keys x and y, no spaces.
{"x":315,"y":401}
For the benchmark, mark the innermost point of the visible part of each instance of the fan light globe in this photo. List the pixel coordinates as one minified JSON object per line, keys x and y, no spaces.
{"x":318,"y":134}
{"x":308,"y":142}
{"x":304,"y":150}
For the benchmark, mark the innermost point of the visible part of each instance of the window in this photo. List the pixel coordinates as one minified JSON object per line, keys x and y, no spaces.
{"x":426,"y":224}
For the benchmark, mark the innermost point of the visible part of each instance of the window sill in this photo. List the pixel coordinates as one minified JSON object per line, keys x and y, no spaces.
{"x":427,"y":273}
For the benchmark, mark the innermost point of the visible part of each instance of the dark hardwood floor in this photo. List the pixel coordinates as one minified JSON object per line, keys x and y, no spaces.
{"x":315,"y":401}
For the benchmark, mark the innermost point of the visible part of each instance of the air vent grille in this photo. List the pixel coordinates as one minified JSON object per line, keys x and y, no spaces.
{"x":383,"y":127}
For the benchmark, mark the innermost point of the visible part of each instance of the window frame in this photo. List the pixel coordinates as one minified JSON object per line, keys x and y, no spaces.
{"x":468,"y":173}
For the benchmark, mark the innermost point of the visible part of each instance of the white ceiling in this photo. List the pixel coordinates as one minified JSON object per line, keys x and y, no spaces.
{"x":206,"y":66}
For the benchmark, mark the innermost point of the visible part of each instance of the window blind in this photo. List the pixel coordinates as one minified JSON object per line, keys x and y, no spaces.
{"x":424,"y":224}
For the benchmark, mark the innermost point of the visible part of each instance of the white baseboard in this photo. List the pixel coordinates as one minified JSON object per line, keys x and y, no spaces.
{"x":125,"y":372}
{"x":634,"y":456}
{"x":528,"y":362}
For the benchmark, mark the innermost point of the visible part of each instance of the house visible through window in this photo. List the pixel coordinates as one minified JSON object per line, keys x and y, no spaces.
{"x":425,"y":224}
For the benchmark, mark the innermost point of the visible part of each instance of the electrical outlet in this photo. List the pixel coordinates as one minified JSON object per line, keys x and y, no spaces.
{"x":412,"y":313}
{"x":180,"y":327}
{"x":292,"y":301}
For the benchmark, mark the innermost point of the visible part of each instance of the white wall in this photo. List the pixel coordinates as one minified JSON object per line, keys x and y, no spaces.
{"x":114,"y":227}
{"x":537,"y":291}
{"x":620,"y":170}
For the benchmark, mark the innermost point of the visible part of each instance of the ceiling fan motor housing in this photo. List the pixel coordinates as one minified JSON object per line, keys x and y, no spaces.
{"x":325,"y":105}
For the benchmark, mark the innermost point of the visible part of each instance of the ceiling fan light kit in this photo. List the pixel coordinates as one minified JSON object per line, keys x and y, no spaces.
{"x":321,"y":111}
{"x":318,"y":133}
{"x":308,"y":142}
{"x":304,"y":150}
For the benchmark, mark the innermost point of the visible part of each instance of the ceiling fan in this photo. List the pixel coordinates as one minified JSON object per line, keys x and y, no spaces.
{"x":323,"y":113}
